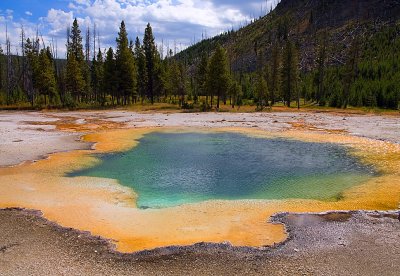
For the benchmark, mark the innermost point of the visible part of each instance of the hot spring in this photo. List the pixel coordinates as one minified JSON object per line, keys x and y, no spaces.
{"x":170,"y":169}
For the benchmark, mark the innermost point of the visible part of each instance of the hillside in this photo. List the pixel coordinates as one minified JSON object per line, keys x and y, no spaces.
{"x":304,"y":21}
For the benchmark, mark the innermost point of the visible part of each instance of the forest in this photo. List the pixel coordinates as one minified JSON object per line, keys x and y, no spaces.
{"x":138,"y":72}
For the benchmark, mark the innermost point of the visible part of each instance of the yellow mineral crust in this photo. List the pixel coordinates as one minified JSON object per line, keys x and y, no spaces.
{"x":108,"y":209}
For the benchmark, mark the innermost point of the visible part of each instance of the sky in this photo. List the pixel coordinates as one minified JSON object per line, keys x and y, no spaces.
{"x":174,"y":22}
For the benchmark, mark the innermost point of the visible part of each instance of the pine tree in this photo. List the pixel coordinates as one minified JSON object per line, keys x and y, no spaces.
{"x":275,"y":77}
{"x":201,"y":77}
{"x":236,"y":93}
{"x":74,"y":81}
{"x":109,"y":77}
{"x":76,"y":69}
{"x":74,"y":46}
{"x":97,"y":78}
{"x":125,"y":65}
{"x":150,"y":51}
{"x":32,"y":68}
{"x":261,"y":92}
{"x":290,"y":72}
{"x":181,"y":84}
{"x":174,"y":84}
{"x":141,"y":69}
{"x":218,"y":74}
{"x":46,"y":79}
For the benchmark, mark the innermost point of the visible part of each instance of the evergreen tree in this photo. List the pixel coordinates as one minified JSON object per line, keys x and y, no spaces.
{"x":181,"y":84}
{"x":162,"y":78}
{"x":218,"y":74}
{"x":32,"y":68}
{"x":261,"y":92}
{"x":97,"y":78}
{"x":109,"y":76}
{"x":125,"y":65}
{"x":74,"y":81}
{"x":159,"y":76}
{"x":74,"y":46}
{"x":140,"y":58}
{"x":290,"y":72}
{"x":201,"y":77}
{"x":150,"y":51}
{"x":275,"y":77}
{"x":46,"y":80}
{"x":176,"y":84}
{"x":76,"y":69}
{"x":236,"y":93}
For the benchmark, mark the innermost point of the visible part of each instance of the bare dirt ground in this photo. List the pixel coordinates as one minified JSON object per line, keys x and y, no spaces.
{"x":357,"y":244}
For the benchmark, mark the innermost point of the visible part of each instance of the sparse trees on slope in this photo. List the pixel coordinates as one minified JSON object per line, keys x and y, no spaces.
{"x":350,"y":70}
{"x":321,"y":62}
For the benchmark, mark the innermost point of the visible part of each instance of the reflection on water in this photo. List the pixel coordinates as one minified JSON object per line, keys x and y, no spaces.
{"x":168,"y":169}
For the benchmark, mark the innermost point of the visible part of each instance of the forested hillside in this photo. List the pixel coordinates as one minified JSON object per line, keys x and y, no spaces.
{"x":335,"y":53}
{"x":348,"y":51}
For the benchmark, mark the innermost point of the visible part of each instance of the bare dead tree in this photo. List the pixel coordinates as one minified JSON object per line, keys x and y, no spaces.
{"x":10,"y":69}
{"x":94,"y":40}
{"x":87,"y":45}
{"x":68,"y":42}
{"x":23,"y":57}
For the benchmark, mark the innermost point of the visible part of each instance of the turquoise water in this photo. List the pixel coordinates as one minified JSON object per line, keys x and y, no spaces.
{"x":169,"y":169}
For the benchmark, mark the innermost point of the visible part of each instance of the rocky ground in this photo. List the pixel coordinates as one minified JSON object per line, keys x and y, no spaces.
{"x":356,"y":243}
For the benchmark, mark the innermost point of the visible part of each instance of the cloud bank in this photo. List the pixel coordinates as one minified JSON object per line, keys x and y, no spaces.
{"x":175,"y":22}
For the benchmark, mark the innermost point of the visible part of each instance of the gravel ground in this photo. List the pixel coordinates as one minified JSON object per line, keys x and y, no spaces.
{"x":33,"y":135}
{"x":30,"y":136}
{"x":337,"y":243}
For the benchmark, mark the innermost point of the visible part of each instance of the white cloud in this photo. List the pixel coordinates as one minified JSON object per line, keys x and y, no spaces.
{"x":58,"y":21}
{"x":178,"y":20}
{"x":28,"y":13}
{"x":172,"y":20}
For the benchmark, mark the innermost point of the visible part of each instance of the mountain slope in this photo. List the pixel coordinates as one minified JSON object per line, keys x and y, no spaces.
{"x":305,"y":22}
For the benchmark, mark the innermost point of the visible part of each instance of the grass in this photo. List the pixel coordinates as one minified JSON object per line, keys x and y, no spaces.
{"x":248,"y":108}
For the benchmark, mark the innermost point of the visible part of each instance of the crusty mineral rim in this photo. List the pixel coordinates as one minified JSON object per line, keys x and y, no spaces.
{"x":108,"y":209}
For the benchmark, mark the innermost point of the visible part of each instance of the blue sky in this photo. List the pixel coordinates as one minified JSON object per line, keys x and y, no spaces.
{"x":180,"y":21}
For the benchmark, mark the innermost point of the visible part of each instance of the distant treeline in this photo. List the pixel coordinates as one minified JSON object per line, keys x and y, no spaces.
{"x":137,"y":72}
